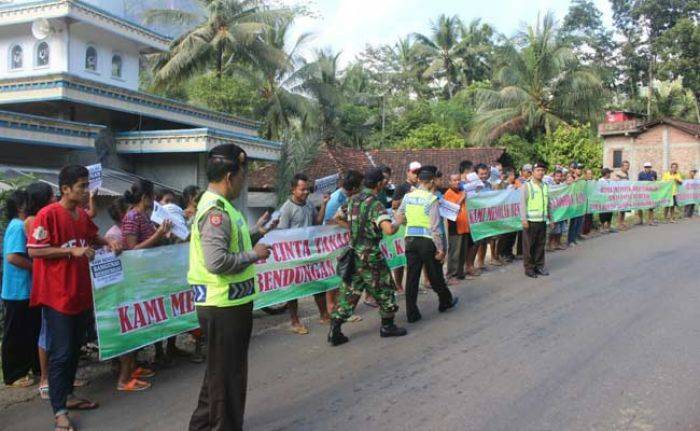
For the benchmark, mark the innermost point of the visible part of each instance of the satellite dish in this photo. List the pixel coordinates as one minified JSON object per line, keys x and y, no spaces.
{"x":41,"y":28}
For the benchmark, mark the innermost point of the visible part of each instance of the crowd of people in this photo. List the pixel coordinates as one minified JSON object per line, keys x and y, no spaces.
{"x":50,"y":238}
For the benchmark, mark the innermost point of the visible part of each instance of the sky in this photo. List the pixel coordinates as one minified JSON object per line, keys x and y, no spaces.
{"x":349,"y":25}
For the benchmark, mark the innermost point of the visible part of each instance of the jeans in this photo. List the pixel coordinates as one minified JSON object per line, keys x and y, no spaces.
{"x":65,"y":334}
{"x":575,"y":226}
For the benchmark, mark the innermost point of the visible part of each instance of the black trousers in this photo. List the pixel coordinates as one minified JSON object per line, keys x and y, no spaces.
{"x":65,"y":334}
{"x":420,"y":252}
{"x":19,"y":350}
{"x":534,"y":241}
{"x":221,"y":404}
{"x":506,"y":244}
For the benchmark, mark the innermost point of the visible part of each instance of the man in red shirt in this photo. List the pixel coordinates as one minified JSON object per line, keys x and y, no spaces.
{"x":60,"y":243}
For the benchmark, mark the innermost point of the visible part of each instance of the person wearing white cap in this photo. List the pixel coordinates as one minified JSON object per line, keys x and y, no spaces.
{"x":647,"y":175}
{"x":401,"y":191}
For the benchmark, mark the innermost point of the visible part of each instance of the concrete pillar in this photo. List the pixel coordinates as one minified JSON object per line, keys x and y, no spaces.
{"x":666,"y":148}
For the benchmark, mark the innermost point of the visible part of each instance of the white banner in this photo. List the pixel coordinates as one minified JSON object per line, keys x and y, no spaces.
{"x":326,"y":185}
{"x":449,"y":210}
{"x":106,"y":269}
{"x":95,"y":176}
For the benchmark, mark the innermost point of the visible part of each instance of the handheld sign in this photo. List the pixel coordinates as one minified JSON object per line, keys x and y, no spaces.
{"x":162,"y":213}
{"x":326,"y":185}
{"x":449,"y":210}
{"x":106,"y":269}
{"x":95,"y":176}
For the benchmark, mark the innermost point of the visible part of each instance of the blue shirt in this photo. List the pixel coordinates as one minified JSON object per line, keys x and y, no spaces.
{"x":337,"y":200}
{"x":16,"y":282}
{"x":643,"y":176}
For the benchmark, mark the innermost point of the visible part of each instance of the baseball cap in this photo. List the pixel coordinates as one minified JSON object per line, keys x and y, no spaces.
{"x":647,"y":164}
{"x":541,"y":165}
{"x":414,"y":166}
{"x":527,"y":167}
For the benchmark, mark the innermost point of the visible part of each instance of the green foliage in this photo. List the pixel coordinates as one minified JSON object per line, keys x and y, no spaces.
{"x":230,"y":94}
{"x":432,"y":136}
{"x":298,"y":150}
{"x":572,"y":143}
{"x":519,"y":151}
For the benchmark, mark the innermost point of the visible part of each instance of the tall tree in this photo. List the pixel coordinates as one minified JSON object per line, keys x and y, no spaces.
{"x":321,"y":80}
{"x":225,"y":33}
{"x":476,"y":49}
{"x":442,"y":46}
{"x":591,"y":41}
{"x":680,"y":51}
{"x":539,"y":85}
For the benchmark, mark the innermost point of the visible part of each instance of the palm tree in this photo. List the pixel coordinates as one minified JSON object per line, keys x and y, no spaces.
{"x":320,"y":79}
{"x":475,"y":52}
{"x":539,"y":85}
{"x":225,"y":33}
{"x":442,"y":46}
{"x":670,"y":99}
{"x":280,"y":104}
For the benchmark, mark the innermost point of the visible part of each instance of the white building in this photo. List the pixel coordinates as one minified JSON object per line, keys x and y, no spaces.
{"x":69,"y":93}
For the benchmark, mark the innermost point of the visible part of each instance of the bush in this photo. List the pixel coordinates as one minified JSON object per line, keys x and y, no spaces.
{"x":572,"y":143}
{"x":432,"y":136}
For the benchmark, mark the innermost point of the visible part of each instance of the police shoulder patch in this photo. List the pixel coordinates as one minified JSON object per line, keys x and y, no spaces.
{"x":216,"y":218}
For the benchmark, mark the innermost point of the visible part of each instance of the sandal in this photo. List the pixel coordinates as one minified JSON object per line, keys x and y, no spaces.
{"x":22,"y":382}
{"x":81,"y":404}
{"x":300,"y":329}
{"x":44,"y":392}
{"x":143,"y":373}
{"x":68,"y":427}
{"x":354,"y":318}
{"x":134,"y":385}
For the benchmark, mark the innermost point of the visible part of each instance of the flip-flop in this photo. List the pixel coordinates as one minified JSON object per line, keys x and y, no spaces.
{"x":82,"y":404}
{"x":300,"y":330}
{"x":142,"y":373}
{"x":22,"y":382}
{"x":44,"y":392}
{"x":134,"y":385}
{"x":68,"y":427}
{"x":371,"y":304}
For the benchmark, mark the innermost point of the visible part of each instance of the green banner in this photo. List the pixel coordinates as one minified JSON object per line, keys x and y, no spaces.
{"x":608,"y":196}
{"x":151,"y":303}
{"x":688,"y":193}
{"x":494,"y":213}
{"x":567,"y":201}
{"x":393,"y":248}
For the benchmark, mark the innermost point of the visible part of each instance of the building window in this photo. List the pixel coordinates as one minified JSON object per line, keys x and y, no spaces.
{"x":16,"y":57}
{"x":617,"y":158}
{"x":42,"y":54}
{"x":116,"y":66}
{"x":91,"y":59}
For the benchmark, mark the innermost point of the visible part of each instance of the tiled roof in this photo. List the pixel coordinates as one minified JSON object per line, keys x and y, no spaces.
{"x":332,"y":160}
{"x":636,"y":127}
{"x":446,"y":159}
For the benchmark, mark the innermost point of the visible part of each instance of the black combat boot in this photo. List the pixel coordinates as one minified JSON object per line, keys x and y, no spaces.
{"x":335,"y":337}
{"x":389,"y":329}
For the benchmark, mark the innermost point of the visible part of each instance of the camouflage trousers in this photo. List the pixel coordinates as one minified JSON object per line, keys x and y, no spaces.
{"x":374,"y":277}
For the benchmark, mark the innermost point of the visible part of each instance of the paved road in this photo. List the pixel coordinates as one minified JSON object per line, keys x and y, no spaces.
{"x":611,"y":341}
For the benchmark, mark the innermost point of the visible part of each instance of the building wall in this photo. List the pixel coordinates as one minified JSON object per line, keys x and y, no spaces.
{"x":661,"y":146}
{"x":21,"y":35}
{"x":107,"y":45}
{"x":176,"y":170}
{"x":67,"y":47}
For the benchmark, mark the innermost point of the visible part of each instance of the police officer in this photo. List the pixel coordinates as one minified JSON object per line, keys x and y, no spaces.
{"x":368,"y":220}
{"x":535,"y":213}
{"x":419,"y":210}
{"x":222,"y":276}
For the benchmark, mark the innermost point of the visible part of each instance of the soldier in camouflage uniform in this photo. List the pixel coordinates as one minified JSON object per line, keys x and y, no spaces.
{"x":371,"y":271}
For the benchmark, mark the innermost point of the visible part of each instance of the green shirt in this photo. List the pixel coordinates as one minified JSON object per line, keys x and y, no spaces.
{"x":365,"y":237}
